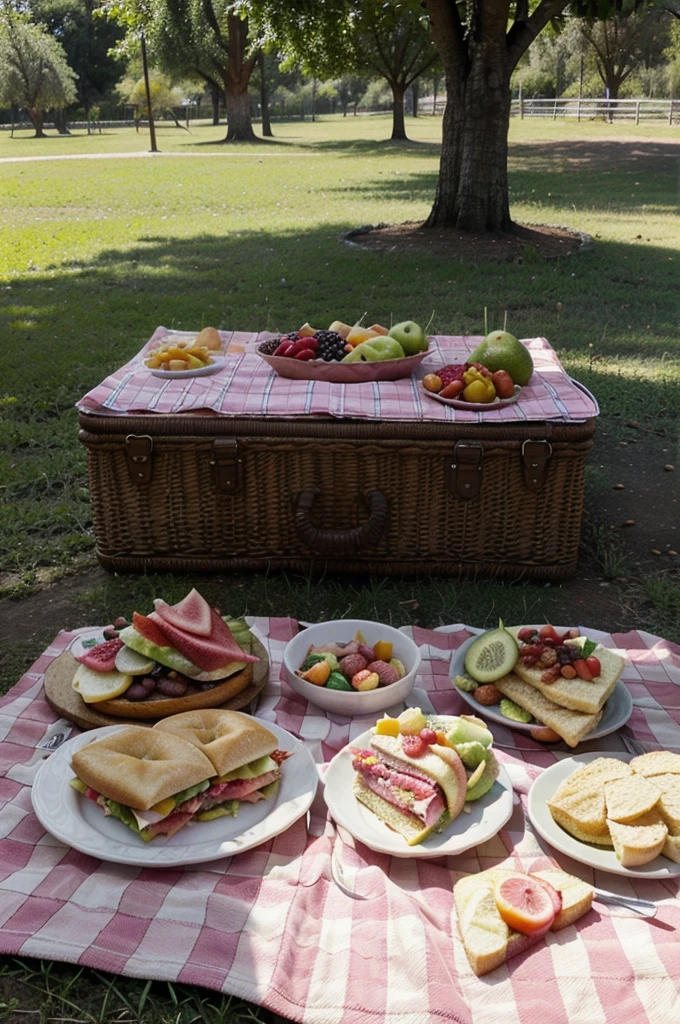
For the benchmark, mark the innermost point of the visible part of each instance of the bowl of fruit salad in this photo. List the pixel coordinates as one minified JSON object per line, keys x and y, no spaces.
{"x":351,"y":666}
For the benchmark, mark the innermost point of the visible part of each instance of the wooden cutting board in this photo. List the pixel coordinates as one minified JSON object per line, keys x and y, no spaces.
{"x":68,"y":703}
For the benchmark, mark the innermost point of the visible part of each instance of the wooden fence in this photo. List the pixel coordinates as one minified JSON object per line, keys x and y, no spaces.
{"x":667,"y":111}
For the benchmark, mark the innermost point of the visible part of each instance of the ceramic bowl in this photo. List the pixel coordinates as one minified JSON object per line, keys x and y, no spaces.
{"x":343,"y":702}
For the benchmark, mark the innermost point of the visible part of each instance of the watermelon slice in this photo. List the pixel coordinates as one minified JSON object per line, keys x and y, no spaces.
{"x":192,"y":614}
{"x":151,"y":630}
{"x":102,"y":657}
{"x":208,"y":652}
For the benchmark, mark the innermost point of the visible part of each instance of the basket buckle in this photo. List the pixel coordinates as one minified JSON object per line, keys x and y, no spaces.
{"x":464,"y":474}
{"x":535,"y":458}
{"x":226,"y":465}
{"x":138,"y":448}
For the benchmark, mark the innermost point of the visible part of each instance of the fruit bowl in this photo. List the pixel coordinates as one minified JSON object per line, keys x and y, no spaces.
{"x":342,"y":373}
{"x":343,"y":702}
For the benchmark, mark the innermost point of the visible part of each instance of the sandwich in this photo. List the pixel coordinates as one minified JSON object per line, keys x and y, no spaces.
{"x":415,"y":778}
{"x":156,"y":781}
{"x":571,"y":726}
{"x":244,"y":755}
{"x":502,"y":913}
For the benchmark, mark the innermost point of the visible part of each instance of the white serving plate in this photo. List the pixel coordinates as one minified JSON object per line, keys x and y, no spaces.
{"x":201,"y":371}
{"x":617,"y":708}
{"x":601,"y":858}
{"x":79,"y":823}
{"x":486,"y":818}
{"x":457,"y":403}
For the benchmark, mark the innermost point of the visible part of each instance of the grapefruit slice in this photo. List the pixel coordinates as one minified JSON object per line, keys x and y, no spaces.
{"x":193,"y":614}
{"x":525,"y":904}
{"x":95,"y":686}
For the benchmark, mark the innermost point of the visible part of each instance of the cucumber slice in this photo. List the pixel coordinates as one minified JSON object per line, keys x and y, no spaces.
{"x":491,"y":656}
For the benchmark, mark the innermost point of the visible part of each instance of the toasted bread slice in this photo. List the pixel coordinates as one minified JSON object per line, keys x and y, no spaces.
{"x":487,"y":939}
{"x":576,"y":694}
{"x":640,"y":841}
{"x":577,"y":896}
{"x":628,"y":798}
{"x":572,"y":726}
{"x":669,"y":800}
{"x":656,"y":762}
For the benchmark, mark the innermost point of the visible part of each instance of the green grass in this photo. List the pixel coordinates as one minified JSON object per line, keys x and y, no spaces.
{"x":94,"y":254}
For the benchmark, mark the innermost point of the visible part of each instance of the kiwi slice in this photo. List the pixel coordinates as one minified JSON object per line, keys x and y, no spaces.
{"x":491,"y":656}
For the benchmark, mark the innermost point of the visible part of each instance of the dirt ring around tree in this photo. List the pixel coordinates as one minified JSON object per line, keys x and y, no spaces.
{"x":527,"y":242}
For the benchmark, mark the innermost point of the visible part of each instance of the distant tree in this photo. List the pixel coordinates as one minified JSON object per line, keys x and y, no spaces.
{"x":350,"y":89}
{"x":34,"y":72}
{"x":623,"y":43}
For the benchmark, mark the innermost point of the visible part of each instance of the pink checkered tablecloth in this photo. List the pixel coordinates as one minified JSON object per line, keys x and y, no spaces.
{"x":271,"y":926}
{"x":247,"y":386}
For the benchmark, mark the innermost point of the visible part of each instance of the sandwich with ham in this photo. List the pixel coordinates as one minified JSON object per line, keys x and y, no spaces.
{"x":156,"y":781}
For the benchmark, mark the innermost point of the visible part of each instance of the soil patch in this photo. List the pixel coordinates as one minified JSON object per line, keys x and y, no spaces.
{"x":528,"y":241}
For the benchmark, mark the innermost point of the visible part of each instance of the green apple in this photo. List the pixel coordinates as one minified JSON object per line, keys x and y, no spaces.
{"x":363,"y":353}
{"x":410,"y":336}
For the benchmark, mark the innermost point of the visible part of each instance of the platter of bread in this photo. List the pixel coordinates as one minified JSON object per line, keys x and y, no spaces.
{"x":565,"y":707}
{"x":612,"y":811}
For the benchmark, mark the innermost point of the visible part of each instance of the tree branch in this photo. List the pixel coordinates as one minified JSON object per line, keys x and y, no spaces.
{"x":523,"y":33}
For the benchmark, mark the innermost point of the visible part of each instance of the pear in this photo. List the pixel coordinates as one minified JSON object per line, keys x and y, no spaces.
{"x":502,"y":351}
{"x":210,"y":337}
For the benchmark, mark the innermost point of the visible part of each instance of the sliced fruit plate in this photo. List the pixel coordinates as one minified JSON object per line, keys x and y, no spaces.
{"x":214,"y":366}
{"x":457,"y":403}
{"x":342,"y":373}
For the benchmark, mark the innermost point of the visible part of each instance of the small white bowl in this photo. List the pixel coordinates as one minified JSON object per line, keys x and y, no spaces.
{"x":343,"y":702}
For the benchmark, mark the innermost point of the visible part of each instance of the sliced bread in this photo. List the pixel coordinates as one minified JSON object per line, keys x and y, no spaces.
{"x":486,"y":938}
{"x":656,"y":762}
{"x":669,"y":800}
{"x":671,"y":848}
{"x":628,"y":798}
{"x":639,"y":842}
{"x":572,"y":726}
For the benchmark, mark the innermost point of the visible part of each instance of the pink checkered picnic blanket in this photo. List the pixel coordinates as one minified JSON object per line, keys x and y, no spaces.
{"x":271,"y":926}
{"x":247,"y":386}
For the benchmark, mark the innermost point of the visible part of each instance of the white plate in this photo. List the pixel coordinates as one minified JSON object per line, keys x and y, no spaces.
{"x":617,"y":708}
{"x":487,"y":817}
{"x":600,"y":858}
{"x":201,"y":371}
{"x":79,"y":823}
{"x":498,"y":403}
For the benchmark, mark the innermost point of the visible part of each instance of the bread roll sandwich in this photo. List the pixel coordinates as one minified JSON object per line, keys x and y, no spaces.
{"x":421,"y":770}
{"x":243,"y":753}
{"x":156,"y":781}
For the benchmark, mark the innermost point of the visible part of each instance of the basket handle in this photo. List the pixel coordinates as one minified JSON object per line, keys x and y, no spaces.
{"x":341,"y":542}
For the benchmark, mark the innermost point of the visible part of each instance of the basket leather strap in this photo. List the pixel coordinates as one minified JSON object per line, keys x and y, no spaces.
{"x":535,"y":459}
{"x":138,"y":448}
{"x":226,"y":465}
{"x":464,"y":474}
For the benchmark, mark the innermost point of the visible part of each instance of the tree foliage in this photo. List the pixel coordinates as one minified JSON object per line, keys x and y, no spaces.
{"x":34,"y":72}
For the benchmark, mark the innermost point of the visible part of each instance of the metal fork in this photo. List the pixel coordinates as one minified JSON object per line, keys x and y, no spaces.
{"x":51,"y":743}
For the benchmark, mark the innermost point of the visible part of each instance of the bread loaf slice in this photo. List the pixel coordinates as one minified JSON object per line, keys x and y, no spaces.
{"x":639,"y":842}
{"x":572,"y":726}
{"x":628,"y":798}
{"x":656,"y":762}
{"x":669,"y":800}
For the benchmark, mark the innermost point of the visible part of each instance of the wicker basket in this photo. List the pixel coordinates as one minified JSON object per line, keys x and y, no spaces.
{"x":213,"y":493}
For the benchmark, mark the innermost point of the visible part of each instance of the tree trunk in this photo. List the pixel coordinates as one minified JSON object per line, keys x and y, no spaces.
{"x":398,"y":126}
{"x":472,"y":190}
{"x":215,"y":102}
{"x":415,"y":94}
{"x":239,"y":123}
{"x":264,"y":99}
{"x":61,"y":121}
{"x":37,"y":118}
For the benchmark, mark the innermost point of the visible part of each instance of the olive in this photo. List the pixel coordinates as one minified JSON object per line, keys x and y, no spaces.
{"x":172,"y":687}
{"x":121,"y":622}
{"x":149,"y":683}
{"x":110,"y":633}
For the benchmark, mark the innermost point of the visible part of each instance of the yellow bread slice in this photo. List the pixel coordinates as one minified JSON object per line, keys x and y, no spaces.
{"x":578,"y":803}
{"x":573,"y":827}
{"x":640,"y":841}
{"x":572,"y":726}
{"x":486,"y":938}
{"x":669,"y":800}
{"x":577,"y":896}
{"x":576,"y":694}
{"x":585,"y":808}
{"x":656,"y":762}
{"x":628,"y":798}
{"x":671,"y":848}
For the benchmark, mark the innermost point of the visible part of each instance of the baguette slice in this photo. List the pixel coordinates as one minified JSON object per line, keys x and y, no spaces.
{"x":656,"y":762}
{"x":639,"y":842}
{"x":576,"y":694}
{"x":487,"y":939}
{"x":628,"y":798}
{"x":671,"y":848}
{"x":572,"y":726}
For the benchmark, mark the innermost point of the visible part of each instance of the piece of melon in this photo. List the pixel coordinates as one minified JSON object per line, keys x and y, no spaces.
{"x":192,"y":614}
{"x":95,"y":686}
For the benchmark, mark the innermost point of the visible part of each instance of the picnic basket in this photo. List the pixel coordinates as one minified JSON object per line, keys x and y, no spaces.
{"x":208,"y":492}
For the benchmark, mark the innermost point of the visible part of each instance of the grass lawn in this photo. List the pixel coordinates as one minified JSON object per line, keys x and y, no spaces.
{"x":95,"y":253}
